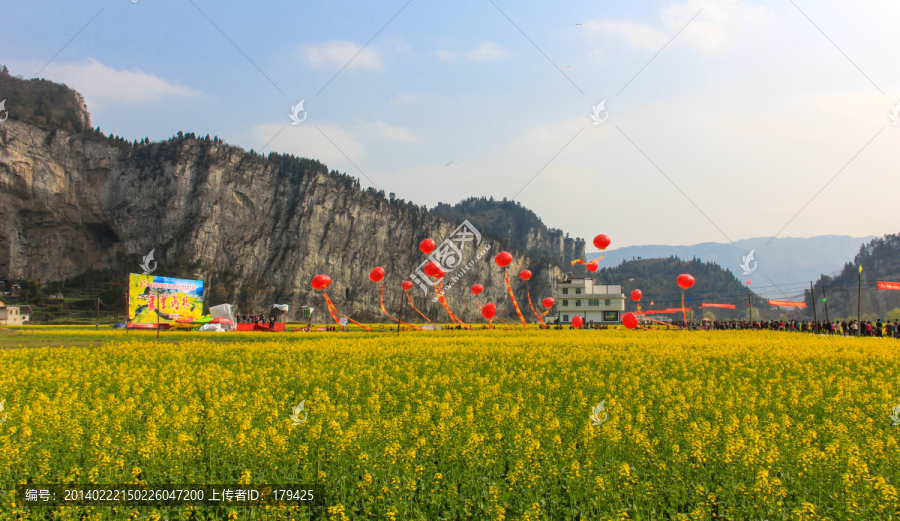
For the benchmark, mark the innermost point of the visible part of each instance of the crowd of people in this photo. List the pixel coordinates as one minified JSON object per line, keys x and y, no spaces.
{"x":256,"y":319}
{"x":886,"y":329}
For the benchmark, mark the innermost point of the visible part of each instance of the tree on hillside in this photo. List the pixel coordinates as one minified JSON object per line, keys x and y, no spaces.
{"x":709,"y":315}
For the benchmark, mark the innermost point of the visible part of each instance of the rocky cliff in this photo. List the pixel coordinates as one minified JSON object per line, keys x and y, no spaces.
{"x":255,"y":228}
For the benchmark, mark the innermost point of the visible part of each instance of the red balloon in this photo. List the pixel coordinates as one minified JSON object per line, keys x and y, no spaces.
{"x":488,"y":311}
{"x":427,"y":246}
{"x":321,"y":281}
{"x":685,"y":281}
{"x":601,"y":241}
{"x":629,"y":320}
{"x":433,"y":269}
{"x":503,"y":259}
{"x":525,"y":275}
{"x":477,"y":289}
{"x":377,"y":274}
{"x":636,"y":295}
{"x":577,"y":321}
{"x":548,"y":302}
{"x":407,"y":285}
{"x":591,"y":267}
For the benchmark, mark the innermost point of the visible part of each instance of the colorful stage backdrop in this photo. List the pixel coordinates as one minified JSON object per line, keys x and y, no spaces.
{"x":178,"y":299}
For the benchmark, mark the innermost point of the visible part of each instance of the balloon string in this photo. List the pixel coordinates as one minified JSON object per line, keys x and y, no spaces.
{"x":495,"y":318}
{"x":513,"y":298}
{"x":540,"y":319}
{"x":417,"y":309}
{"x":332,"y":306}
{"x":683,"y":314}
{"x":389,"y":315}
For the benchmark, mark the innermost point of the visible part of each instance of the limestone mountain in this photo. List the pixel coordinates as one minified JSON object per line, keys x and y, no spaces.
{"x":255,"y":228}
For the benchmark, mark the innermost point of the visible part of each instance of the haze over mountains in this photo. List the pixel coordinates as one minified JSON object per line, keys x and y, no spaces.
{"x":785,"y":260}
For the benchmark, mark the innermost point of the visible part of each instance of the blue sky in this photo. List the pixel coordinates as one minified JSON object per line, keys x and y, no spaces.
{"x":738,"y":123}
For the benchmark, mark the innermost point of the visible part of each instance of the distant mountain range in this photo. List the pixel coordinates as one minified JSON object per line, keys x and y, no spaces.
{"x":783,"y":261}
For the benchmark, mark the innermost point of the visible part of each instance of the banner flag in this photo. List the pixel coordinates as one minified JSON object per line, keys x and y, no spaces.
{"x":724,"y":306}
{"x":453,"y":318}
{"x":513,"y":298}
{"x":787,"y":303}
{"x":332,"y":309}
{"x":383,"y":310}
{"x":417,"y":309}
{"x":888,"y":285}
{"x":539,"y":317}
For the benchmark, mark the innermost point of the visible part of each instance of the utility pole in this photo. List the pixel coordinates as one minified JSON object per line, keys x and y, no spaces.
{"x":859,"y":301}
{"x":127,"y":319}
{"x":400,"y":316}
{"x":812,"y":292}
{"x":749,"y":305}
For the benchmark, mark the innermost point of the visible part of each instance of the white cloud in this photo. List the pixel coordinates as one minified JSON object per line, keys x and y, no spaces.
{"x":340,"y":53}
{"x":445,"y":55}
{"x":102,"y":85}
{"x":488,"y":51}
{"x":709,"y":31}
{"x":407,"y":98}
{"x":636,"y":35}
{"x":387,"y":131}
{"x":307,"y":141}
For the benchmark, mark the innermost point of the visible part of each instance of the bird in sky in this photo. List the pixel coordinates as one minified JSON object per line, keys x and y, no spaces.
{"x":448,"y":164}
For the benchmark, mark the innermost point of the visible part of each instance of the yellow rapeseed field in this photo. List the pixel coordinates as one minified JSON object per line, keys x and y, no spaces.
{"x":466,"y":424}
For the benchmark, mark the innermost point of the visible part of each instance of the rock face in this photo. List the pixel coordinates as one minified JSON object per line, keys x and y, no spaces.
{"x":256,"y":229}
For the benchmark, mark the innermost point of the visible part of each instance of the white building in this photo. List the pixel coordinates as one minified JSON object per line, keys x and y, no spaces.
{"x":11,"y":315}
{"x":594,"y":303}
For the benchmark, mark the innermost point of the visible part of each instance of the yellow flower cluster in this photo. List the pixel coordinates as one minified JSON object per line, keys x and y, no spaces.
{"x":466,"y":424}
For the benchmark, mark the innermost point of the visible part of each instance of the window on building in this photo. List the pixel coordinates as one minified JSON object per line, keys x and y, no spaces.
{"x":565,"y":291}
{"x":594,"y":302}
{"x":565,"y":318}
{"x":578,"y":291}
{"x":607,"y":302}
{"x":565,"y":302}
{"x":578,"y":302}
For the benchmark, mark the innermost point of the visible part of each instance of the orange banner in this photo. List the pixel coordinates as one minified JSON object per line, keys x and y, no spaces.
{"x":539,"y":317}
{"x":417,"y":309}
{"x":580,"y":261}
{"x":389,"y":315}
{"x":443,"y":300}
{"x":888,"y":285}
{"x":725,"y":306}
{"x":513,"y":298}
{"x":787,"y":303}
{"x":332,"y":309}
